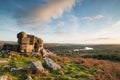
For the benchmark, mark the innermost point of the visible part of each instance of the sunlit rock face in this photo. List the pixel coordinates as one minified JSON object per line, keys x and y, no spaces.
{"x":29,"y":43}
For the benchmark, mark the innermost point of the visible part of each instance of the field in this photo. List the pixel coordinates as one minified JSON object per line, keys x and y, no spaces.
{"x":102,"y":63}
{"x":104,"y":52}
{"x":107,"y":57}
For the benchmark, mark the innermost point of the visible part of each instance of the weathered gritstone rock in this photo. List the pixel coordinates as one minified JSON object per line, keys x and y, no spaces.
{"x":6,"y":67}
{"x":51,"y":64}
{"x":5,"y":77}
{"x":46,"y":52}
{"x":29,"y":43}
{"x":26,"y":44}
{"x":4,"y":61}
{"x":17,"y":69}
{"x":24,"y":40}
{"x":12,"y":53}
{"x":37,"y":66}
{"x":29,"y":78}
{"x":36,"y":54}
{"x":26,"y":48}
{"x":21,"y":35}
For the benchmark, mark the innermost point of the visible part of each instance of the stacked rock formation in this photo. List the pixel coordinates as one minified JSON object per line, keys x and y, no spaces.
{"x":29,"y":43}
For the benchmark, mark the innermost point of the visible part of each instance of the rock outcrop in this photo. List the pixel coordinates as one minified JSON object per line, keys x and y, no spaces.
{"x":29,"y":43}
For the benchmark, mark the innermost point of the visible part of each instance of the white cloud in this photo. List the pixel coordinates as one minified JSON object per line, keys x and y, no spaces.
{"x":61,"y":23}
{"x":109,"y":34}
{"x":102,"y":41}
{"x":39,"y":29}
{"x":59,"y":32}
{"x":93,"y":18}
{"x":99,"y":17}
{"x":87,"y":18}
{"x":111,"y":31}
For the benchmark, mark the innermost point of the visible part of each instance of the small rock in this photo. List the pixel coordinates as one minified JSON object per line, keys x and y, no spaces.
{"x":29,"y":78}
{"x":45,"y":72}
{"x":13,"y":54}
{"x":61,"y":72}
{"x":36,"y":54}
{"x":6,"y":67}
{"x":17,"y":69}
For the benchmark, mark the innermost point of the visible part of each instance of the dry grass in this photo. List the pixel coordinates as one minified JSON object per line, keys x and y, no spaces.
{"x":111,"y":69}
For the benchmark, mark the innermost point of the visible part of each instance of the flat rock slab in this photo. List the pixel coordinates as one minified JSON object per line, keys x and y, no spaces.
{"x":5,"y":77}
{"x":3,"y":60}
{"x":29,"y":78}
{"x":37,"y":66}
{"x":46,"y":52}
{"x":51,"y":64}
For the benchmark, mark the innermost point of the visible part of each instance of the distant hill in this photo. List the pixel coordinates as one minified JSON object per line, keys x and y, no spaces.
{"x":13,"y":42}
{"x":57,"y":46}
{"x":7,"y":42}
{"x":50,"y":45}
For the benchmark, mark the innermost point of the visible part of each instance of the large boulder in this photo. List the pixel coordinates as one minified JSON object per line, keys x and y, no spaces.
{"x":4,"y":60}
{"x":51,"y":64}
{"x":37,"y":66}
{"x":29,"y":43}
{"x":5,"y":77}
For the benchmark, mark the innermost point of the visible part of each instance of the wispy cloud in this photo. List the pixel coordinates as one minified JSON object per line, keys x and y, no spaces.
{"x":102,"y":41}
{"x":98,"y":17}
{"x":103,"y":38}
{"x":59,"y":32}
{"x":93,"y":18}
{"x":39,"y":29}
{"x":61,"y":23}
{"x":53,"y":9}
{"x":111,"y":31}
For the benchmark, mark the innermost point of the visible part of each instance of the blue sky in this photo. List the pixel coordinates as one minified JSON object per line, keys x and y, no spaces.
{"x":62,"y":21}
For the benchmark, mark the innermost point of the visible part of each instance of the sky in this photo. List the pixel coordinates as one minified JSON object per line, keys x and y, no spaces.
{"x":62,"y":21}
